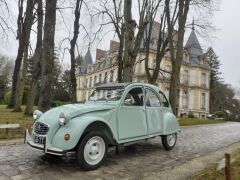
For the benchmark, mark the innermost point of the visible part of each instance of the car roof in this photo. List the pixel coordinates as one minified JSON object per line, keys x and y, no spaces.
{"x":123,"y":85}
{"x":112,"y":85}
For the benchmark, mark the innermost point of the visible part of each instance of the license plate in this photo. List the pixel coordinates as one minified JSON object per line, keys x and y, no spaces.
{"x":38,"y":139}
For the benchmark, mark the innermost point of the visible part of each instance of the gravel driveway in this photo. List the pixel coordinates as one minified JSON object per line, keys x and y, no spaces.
{"x":18,"y":161}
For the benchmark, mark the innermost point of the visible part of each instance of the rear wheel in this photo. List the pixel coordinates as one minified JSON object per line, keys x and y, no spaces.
{"x":169,"y":141}
{"x":92,"y":150}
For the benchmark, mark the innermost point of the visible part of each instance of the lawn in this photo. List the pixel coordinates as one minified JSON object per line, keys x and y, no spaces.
{"x":8,"y":117}
{"x":198,"y":121}
{"x":211,"y":172}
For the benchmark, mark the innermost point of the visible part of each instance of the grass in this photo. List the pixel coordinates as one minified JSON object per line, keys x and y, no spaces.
{"x":211,"y":172}
{"x":6,"y":116}
{"x":197,"y":121}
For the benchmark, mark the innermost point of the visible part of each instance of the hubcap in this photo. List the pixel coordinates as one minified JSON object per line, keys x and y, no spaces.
{"x":94,"y":150}
{"x":171,"y":139}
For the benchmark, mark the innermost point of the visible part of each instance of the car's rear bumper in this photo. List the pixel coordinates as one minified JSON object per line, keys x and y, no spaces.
{"x":46,"y":147}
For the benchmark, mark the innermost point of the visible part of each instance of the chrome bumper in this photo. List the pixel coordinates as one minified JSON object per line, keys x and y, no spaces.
{"x":46,"y":147}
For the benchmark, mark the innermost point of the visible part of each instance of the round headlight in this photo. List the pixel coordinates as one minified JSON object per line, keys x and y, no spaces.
{"x":34,"y":116}
{"x":37,"y":114}
{"x":62,"y":119}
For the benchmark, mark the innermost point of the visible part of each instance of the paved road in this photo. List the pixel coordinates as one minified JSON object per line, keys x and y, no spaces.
{"x":21,"y":162}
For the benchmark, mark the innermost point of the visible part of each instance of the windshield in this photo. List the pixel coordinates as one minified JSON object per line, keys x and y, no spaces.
{"x":108,"y":94}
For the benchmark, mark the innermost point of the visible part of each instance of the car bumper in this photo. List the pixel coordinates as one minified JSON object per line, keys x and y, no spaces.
{"x":46,"y":147}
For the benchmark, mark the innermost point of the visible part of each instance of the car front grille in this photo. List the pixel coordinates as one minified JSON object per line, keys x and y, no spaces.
{"x":40,"y":128}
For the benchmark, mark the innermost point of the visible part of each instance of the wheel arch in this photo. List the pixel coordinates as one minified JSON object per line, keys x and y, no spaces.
{"x":100,"y":126}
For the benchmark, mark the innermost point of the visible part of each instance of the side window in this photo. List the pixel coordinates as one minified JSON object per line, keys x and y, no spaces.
{"x":134,"y":97}
{"x":152,"y":99}
{"x":163,"y":99}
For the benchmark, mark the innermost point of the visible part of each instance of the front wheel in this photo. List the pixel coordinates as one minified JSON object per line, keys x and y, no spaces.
{"x":92,"y":150}
{"x":169,"y":141}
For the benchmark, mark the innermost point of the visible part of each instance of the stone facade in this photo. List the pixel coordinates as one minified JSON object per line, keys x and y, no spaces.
{"x":195,"y":73}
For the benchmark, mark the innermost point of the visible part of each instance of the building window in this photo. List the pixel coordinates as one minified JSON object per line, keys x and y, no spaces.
{"x":151,"y":99}
{"x":86,"y":83}
{"x":105,"y":77}
{"x":95,"y":80}
{"x":185,"y":99}
{"x":111,"y":76}
{"x":100,"y":78}
{"x":185,"y":77}
{"x":203,"y":80}
{"x":90,"y":82}
{"x":203,"y":101}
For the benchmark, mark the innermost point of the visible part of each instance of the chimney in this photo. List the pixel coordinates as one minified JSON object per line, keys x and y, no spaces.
{"x":114,"y":45}
{"x":100,"y":54}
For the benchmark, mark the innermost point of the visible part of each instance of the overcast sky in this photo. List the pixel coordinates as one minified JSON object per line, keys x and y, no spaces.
{"x":225,"y":40}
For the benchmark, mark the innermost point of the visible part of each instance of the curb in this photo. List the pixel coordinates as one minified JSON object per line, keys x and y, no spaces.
{"x":11,"y":142}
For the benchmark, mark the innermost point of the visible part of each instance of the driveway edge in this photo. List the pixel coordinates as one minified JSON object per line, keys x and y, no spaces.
{"x":192,"y":167}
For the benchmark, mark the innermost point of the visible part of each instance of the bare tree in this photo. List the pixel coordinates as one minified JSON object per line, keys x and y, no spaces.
{"x":116,"y":18}
{"x":72,"y":51}
{"x":23,"y":35}
{"x":37,"y":61}
{"x":4,"y":15}
{"x":18,"y":61}
{"x":28,"y":22}
{"x":48,"y":56}
{"x":132,"y":43}
{"x":176,"y":47}
{"x":162,"y":41}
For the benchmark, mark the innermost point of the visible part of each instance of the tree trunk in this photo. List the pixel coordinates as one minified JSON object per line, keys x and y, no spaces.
{"x":120,"y":55}
{"x":132,"y":43}
{"x":176,"y":53}
{"x":37,"y":62}
{"x":147,"y":49}
{"x":48,"y":56}
{"x":72,"y":51}
{"x":128,"y":41}
{"x":18,"y":61}
{"x":27,"y":31}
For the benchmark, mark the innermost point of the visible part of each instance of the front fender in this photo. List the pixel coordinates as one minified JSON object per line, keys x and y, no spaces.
{"x":170,"y":124}
{"x":75,"y":128}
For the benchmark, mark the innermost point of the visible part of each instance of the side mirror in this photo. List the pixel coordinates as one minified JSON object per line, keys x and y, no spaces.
{"x":165,"y":104}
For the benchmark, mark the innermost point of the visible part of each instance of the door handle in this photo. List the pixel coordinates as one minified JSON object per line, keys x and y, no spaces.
{"x":143,"y":110}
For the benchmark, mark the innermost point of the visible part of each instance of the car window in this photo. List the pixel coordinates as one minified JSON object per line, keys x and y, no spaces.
{"x":134,"y":97}
{"x":152,"y":99}
{"x":163,"y":99}
{"x":106,"y":94}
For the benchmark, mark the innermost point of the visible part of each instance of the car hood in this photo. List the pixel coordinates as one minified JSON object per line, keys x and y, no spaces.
{"x":51,"y":117}
{"x":73,"y":110}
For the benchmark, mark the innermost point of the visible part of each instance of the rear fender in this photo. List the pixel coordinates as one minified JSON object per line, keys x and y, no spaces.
{"x":170,"y":124}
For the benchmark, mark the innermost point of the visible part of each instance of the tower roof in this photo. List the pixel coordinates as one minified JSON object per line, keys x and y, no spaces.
{"x":86,"y":61}
{"x":193,"y":47}
{"x":88,"y":58}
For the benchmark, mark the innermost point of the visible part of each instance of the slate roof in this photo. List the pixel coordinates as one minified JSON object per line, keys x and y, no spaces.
{"x":195,"y":51}
{"x":86,"y":61}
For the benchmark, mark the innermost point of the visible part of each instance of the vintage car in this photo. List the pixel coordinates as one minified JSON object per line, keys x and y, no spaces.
{"x":114,"y":115}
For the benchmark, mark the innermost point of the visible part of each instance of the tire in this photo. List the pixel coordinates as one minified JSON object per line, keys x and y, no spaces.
{"x":92,"y":150}
{"x":169,"y":141}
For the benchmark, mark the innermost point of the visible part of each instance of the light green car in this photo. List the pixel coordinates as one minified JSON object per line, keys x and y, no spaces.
{"x":114,"y":115}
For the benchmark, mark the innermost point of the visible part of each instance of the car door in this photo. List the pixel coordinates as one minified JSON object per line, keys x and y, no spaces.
{"x":153,"y":111}
{"x":132,"y":121}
